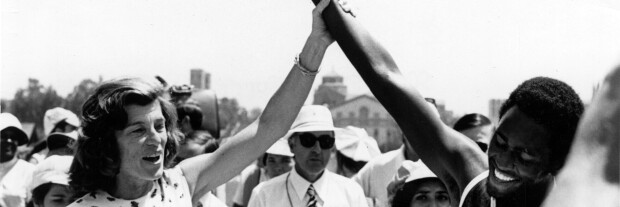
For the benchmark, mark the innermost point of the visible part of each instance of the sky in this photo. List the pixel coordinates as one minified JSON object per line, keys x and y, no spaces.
{"x":461,"y":52}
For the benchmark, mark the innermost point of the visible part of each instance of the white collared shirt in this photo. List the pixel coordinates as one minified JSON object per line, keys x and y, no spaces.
{"x":290,"y":188}
{"x":375,"y":176}
{"x":15,"y":178}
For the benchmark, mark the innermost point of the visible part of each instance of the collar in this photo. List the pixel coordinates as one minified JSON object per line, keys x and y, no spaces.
{"x":401,"y":154}
{"x":301,"y":185}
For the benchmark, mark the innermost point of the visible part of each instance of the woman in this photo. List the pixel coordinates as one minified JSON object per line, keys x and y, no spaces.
{"x":50,"y":184}
{"x":421,"y":188}
{"x":477,"y":127}
{"x":276,"y":161}
{"x":130,"y":135}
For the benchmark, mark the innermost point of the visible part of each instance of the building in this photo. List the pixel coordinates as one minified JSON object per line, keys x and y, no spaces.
{"x":447,"y":116}
{"x":331,"y":92}
{"x":200,"y":79}
{"x":494,"y":106}
{"x":366,"y":112}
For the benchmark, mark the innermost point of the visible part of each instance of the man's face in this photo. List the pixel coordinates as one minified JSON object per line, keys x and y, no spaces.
{"x":312,"y":159}
{"x":8,"y":145}
{"x":519,"y":154}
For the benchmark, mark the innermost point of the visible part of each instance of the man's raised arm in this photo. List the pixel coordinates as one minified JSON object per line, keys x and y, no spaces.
{"x":449,"y":154}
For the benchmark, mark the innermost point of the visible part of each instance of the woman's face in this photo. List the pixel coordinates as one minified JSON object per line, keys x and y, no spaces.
{"x":141,"y":142}
{"x":430,"y":193}
{"x":57,"y":196}
{"x":277,"y":165}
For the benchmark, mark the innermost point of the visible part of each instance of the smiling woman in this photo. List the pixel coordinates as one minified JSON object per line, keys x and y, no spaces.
{"x":129,"y":138}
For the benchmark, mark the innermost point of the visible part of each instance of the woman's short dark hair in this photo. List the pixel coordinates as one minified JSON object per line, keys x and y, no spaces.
{"x":203,"y":137}
{"x":470,"y":121}
{"x":552,"y":104}
{"x":97,"y":159}
{"x":193,"y":112}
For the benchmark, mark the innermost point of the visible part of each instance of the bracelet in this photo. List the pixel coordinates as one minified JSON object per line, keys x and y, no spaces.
{"x":303,"y":69}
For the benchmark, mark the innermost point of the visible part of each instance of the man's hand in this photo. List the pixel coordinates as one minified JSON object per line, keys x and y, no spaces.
{"x":319,"y":30}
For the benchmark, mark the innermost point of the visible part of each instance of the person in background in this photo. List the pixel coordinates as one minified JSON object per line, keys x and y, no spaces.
{"x":477,"y":127}
{"x":311,"y":139}
{"x":50,"y":182}
{"x":416,"y":186}
{"x":277,"y":160}
{"x":375,"y":176}
{"x":58,"y":120}
{"x":354,"y":149}
{"x":15,"y":174}
{"x":59,"y":143}
{"x":196,"y":143}
{"x":591,"y":176}
{"x":129,"y":138}
{"x":189,"y":118}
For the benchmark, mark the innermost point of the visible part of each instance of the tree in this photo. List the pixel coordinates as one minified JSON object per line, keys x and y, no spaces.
{"x":29,"y":104}
{"x":80,"y":93}
{"x":234,"y":117}
{"x":4,"y":106}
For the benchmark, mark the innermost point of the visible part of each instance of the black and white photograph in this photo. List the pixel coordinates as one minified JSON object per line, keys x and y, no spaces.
{"x":313,"y":103}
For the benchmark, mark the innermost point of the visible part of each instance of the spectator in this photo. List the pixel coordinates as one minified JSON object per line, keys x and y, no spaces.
{"x":50,"y":184}
{"x":15,"y":174}
{"x":196,"y":143}
{"x":477,"y":127}
{"x":311,"y":139}
{"x":592,"y":171}
{"x":190,"y":118}
{"x":354,"y":149}
{"x":416,"y":186}
{"x":58,"y":120}
{"x":277,"y":160}
{"x":59,"y":143}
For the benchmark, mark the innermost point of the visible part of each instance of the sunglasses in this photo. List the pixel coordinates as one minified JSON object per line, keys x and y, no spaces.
{"x":308,"y":140}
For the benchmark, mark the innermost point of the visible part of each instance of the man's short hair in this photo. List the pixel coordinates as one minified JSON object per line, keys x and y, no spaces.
{"x":552,"y":104}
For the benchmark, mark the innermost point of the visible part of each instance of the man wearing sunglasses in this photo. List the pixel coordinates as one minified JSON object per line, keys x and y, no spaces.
{"x":311,"y":139}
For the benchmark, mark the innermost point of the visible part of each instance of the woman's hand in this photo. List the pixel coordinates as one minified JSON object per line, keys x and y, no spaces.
{"x":319,"y":30}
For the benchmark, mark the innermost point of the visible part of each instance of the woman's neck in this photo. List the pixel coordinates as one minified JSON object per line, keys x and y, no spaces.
{"x":129,"y":188}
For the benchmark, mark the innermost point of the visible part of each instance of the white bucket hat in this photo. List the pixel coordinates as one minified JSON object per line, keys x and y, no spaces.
{"x":416,"y":171}
{"x":10,"y":122}
{"x":56,"y":115}
{"x":313,"y":118}
{"x":54,"y":169}
{"x":281,"y":147}
{"x":355,"y":143}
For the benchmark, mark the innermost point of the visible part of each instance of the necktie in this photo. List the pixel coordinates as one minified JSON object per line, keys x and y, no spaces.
{"x":312,"y":202}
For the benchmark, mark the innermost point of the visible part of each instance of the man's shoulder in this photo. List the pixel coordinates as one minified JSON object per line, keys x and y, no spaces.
{"x":341,"y":181}
{"x":272,"y":184}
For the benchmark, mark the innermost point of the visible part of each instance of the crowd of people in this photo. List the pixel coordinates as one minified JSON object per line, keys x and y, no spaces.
{"x":131,"y":146}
